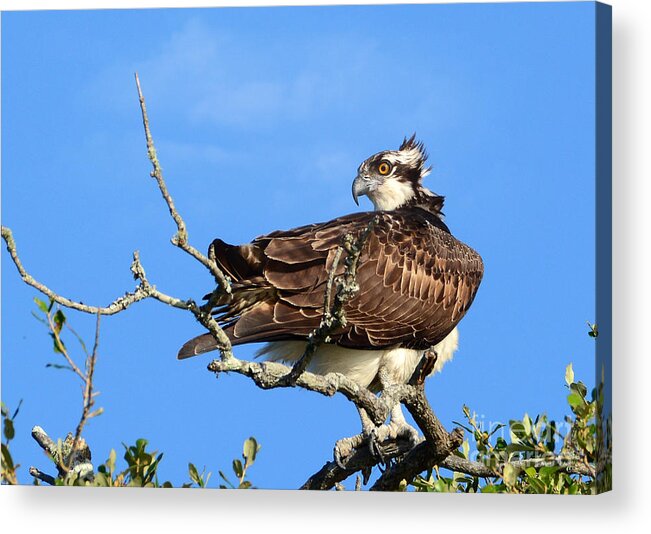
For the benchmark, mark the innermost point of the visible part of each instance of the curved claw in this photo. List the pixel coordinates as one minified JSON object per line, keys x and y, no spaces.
{"x":345,"y":447}
{"x":378,"y":440}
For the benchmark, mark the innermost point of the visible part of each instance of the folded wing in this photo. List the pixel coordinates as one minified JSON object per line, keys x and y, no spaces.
{"x":416,"y":282}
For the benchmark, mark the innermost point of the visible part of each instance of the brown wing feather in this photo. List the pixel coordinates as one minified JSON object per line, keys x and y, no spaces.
{"x":416,"y":282}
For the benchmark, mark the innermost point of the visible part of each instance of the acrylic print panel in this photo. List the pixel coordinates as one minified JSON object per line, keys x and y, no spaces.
{"x":263,"y":119}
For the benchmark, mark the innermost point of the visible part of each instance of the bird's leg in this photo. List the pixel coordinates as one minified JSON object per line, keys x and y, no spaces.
{"x":345,"y":447}
{"x":381,"y":440}
{"x":396,"y":430}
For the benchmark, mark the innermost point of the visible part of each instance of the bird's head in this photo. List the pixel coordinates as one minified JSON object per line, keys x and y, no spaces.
{"x":392,"y":178}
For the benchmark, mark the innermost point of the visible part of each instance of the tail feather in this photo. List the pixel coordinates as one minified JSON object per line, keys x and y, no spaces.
{"x":238,"y":261}
{"x":197,"y":345}
{"x":248,"y":307}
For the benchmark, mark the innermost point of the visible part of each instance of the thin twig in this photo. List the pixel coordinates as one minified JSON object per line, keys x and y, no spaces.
{"x":62,"y":349}
{"x":435,"y":450}
{"x":203,"y":316}
{"x":326,"y":326}
{"x":333,"y":312}
{"x":181,"y":237}
{"x":118,"y":305}
{"x":89,"y":395}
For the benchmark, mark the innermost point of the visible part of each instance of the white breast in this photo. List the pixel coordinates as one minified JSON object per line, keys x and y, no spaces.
{"x":360,"y":365}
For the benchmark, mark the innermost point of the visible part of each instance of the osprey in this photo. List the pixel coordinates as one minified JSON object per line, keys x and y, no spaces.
{"x":416,"y":282}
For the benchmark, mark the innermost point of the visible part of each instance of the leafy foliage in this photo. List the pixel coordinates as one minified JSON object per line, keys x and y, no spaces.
{"x":249,"y":453}
{"x":536,"y":456}
{"x":9,"y":468}
{"x":141,"y":470}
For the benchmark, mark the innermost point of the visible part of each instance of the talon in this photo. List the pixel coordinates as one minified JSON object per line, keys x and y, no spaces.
{"x":344,"y":449}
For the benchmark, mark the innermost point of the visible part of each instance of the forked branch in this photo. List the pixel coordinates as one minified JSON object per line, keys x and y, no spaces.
{"x":437,"y":447}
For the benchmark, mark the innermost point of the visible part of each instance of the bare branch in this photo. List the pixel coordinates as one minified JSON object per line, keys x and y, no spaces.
{"x":421,"y":457}
{"x":437,"y":449}
{"x":50,"y":447}
{"x":118,"y":305}
{"x":68,"y":457}
{"x":202,"y":315}
{"x":62,"y":348}
{"x":327,"y":325}
{"x":44,"y":477}
{"x":181,"y":237}
{"x":89,"y":394}
{"x":333,"y":313}
{"x":421,"y":460}
{"x":271,"y":375}
{"x":567,"y":464}
{"x":361,"y":459}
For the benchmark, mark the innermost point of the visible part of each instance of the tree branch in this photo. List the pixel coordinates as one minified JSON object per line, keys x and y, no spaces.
{"x":118,"y":305}
{"x":361,"y":459}
{"x":89,"y":394}
{"x":271,"y":375}
{"x":49,"y":446}
{"x":70,"y":458}
{"x":566,"y":464}
{"x":181,"y":237}
{"x":420,"y":458}
{"x":437,"y":448}
{"x":333,"y":312}
{"x":44,"y":477}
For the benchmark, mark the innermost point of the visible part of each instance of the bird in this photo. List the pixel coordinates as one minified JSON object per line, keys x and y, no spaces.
{"x":415,"y":280}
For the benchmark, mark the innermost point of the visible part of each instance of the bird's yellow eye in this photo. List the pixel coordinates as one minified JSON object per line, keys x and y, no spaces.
{"x":384,"y":168}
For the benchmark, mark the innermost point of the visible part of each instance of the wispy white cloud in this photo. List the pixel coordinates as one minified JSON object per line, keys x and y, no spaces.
{"x":213,"y":79}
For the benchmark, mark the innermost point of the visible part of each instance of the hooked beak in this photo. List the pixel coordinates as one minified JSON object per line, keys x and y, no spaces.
{"x":360,"y":187}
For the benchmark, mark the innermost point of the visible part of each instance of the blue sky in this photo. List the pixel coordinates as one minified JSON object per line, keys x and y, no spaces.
{"x":261,"y":117}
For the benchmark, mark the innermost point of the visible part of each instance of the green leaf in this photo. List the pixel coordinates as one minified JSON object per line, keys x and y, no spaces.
{"x":580,"y":388}
{"x":249,"y":450}
{"x":221,"y":474}
{"x":8,"y":430}
{"x":59,"y":320}
{"x":7,"y":461}
{"x":526,"y":425}
{"x":41,"y":305}
{"x":510,"y":475}
{"x":237,"y":468}
{"x":493,"y":488}
{"x":594,"y":331}
{"x":569,"y":374}
{"x":537,"y":485}
{"x":548,"y":471}
{"x":101,"y":479}
{"x":194,"y":474}
{"x":59,"y":366}
{"x":465,"y":448}
{"x":56,"y":343}
{"x":111,"y":460}
{"x":575,"y":400}
{"x":531,"y":472}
